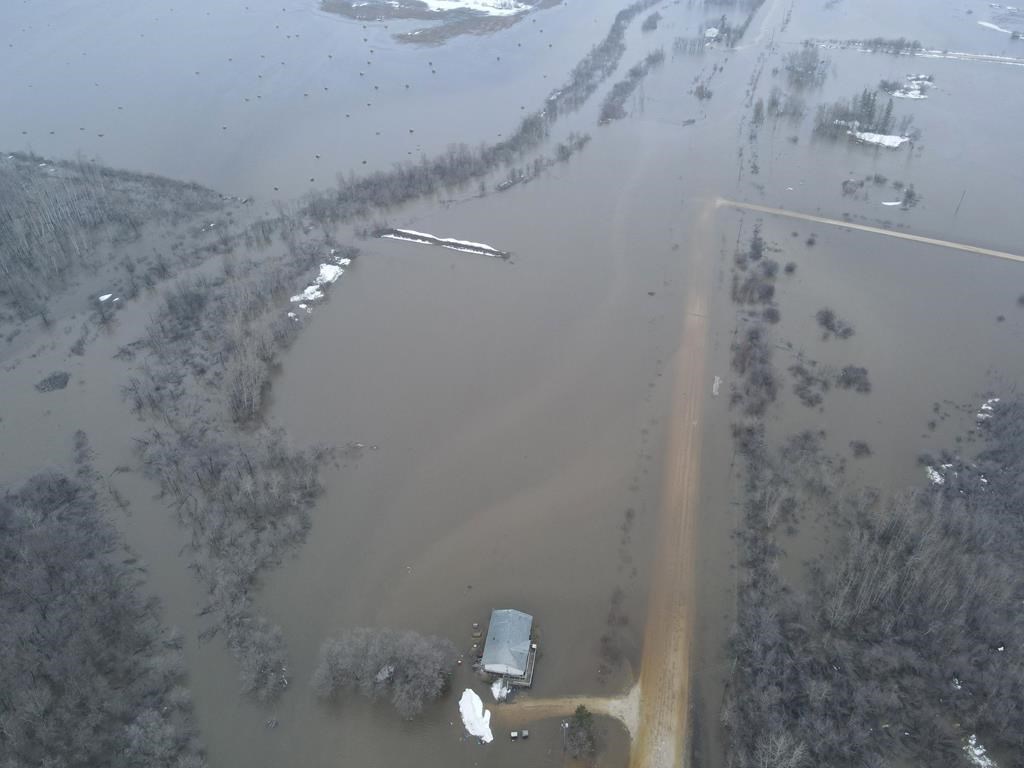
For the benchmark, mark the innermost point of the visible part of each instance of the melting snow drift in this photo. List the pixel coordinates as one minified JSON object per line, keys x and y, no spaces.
{"x":476,"y":719}
{"x":878,"y":139}
{"x":329,"y":273}
{"x":996,"y":27}
{"x":488,"y":7}
{"x":466,"y":246}
{"x":916,"y":87}
{"x":976,"y":754}
{"x":985,"y":412}
{"x":500,"y":689}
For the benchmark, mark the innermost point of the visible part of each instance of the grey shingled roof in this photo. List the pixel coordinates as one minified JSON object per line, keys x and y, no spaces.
{"x":508,"y":640}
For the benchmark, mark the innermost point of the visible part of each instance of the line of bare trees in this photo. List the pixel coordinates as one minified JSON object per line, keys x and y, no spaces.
{"x":239,"y":489}
{"x":613,"y":106}
{"x":356,"y":197}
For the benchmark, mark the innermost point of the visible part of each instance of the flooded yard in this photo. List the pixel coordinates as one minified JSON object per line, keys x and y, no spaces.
{"x":539,"y":414}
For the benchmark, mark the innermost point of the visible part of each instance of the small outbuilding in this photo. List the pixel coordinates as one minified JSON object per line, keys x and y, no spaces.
{"x":509,"y":651}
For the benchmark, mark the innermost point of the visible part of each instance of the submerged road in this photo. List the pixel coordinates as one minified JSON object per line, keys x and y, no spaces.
{"x":663,"y":718}
{"x":867,"y":228}
{"x":655,"y":710}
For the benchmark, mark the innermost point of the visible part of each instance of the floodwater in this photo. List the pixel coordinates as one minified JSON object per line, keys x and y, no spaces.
{"x":513,"y":412}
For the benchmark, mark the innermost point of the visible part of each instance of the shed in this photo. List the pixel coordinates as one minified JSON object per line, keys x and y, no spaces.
{"x":507,"y":650}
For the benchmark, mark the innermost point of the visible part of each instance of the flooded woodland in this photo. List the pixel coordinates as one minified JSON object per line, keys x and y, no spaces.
{"x":623,"y":315}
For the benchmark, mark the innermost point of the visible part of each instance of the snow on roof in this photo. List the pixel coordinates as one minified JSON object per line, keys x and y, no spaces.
{"x":508,"y":642}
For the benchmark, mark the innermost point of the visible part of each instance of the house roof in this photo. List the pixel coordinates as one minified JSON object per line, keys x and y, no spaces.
{"x":508,"y":642}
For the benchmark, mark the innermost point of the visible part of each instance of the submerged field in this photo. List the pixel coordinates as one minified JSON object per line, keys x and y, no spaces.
{"x":520,"y":408}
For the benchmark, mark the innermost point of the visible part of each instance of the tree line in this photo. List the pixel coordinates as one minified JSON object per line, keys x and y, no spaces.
{"x":357,"y":197}
{"x":613,"y":106}
{"x":88,"y":674}
{"x":238,"y":487}
{"x":903,"y":643}
{"x":56,"y":216}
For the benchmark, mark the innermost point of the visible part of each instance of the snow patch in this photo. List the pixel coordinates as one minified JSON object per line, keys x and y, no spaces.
{"x":976,"y":753}
{"x":878,"y":139}
{"x":329,"y":273}
{"x":985,"y":412}
{"x":500,"y":689}
{"x":892,"y":202}
{"x":934,"y":476}
{"x":996,"y":27}
{"x":106,"y":297}
{"x":475,"y":718}
{"x":488,"y":7}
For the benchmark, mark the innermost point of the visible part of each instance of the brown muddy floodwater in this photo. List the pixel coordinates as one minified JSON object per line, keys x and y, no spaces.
{"x":515,"y":414}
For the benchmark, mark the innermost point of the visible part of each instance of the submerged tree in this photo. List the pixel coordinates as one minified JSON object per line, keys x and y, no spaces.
{"x":406,"y":667}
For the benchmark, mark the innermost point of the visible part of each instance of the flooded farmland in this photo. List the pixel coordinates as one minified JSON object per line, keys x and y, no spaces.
{"x":565,"y":429}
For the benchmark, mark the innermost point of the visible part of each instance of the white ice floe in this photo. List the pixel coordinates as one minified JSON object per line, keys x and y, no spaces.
{"x":879,"y":139}
{"x":106,"y":297}
{"x":500,"y":689}
{"x":328,"y":274}
{"x":892,"y":202}
{"x":985,"y":412}
{"x":934,"y":476}
{"x":476,"y":719}
{"x":996,"y":27}
{"x":489,"y":7}
{"x":977,"y":754}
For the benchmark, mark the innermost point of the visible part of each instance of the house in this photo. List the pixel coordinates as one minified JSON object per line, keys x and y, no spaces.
{"x":508,"y":650}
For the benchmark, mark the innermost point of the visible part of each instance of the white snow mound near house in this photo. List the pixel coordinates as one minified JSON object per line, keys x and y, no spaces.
{"x":476,"y":719}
